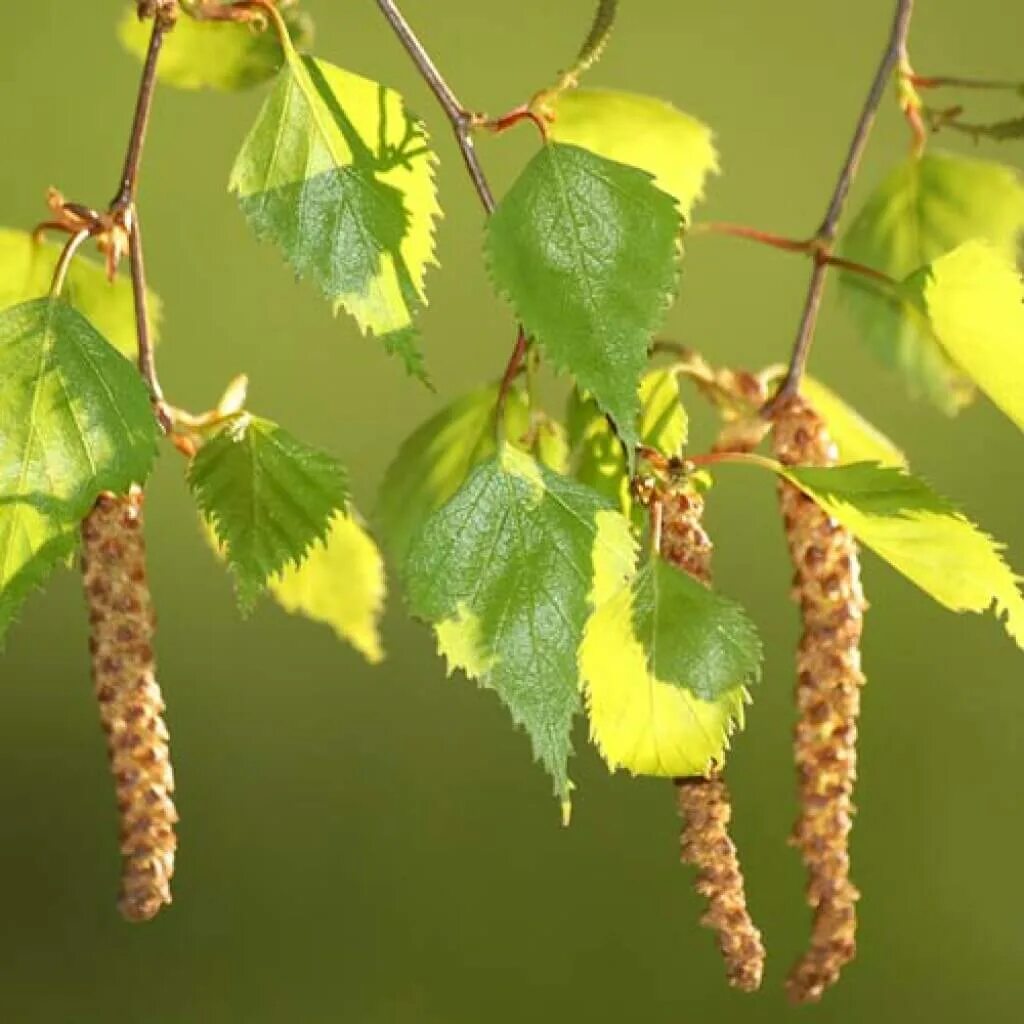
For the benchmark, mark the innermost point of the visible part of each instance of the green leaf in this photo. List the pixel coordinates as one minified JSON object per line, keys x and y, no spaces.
{"x":585,"y":250}
{"x":856,"y":439}
{"x":75,"y":420}
{"x":924,"y":209}
{"x":693,"y":637}
{"x":638,"y":720}
{"x":340,"y":583}
{"x":338,"y":174}
{"x":503,"y":572}
{"x":599,"y":460}
{"x":34,"y":540}
{"x":642,"y":131}
{"x":26,"y":271}
{"x":974,"y":298}
{"x":434,"y":461}
{"x":268,"y":497}
{"x":919,"y":533}
{"x":216,"y":54}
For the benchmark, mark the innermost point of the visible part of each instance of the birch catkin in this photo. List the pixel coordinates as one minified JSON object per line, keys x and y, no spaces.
{"x":828,"y":590}
{"x":704,"y":803}
{"x":131,"y":707}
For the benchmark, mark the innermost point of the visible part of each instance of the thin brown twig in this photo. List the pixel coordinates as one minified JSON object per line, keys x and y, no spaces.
{"x":895,"y":53}
{"x":462,"y":121}
{"x":124,"y":205}
{"x":957,"y":82}
{"x":808,"y":246}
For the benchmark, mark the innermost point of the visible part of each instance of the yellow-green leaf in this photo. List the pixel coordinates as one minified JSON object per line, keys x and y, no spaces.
{"x":26,"y":271}
{"x":921,"y":534}
{"x":925,"y":208}
{"x":638,"y":130}
{"x":216,"y":54}
{"x":637,"y":721}
{"x":340,"y":583}
{"x":974,"y":297}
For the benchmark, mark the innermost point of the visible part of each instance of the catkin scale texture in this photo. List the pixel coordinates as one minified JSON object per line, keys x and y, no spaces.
{"x":827,"y":587}
{"x":704,"y":803}
{"x":122,"y":626}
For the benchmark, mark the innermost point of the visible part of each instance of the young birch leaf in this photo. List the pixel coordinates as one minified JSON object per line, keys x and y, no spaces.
{"x":503,"y":573}
{"x":267,"y":496}
{"x":338,"y":174}
{"x":638,"y":720}
{"x":585,"y":251}
{"x":340,"y":583}
{"x":33,"y":542}
{"x":434,"y":461}
{"x":925,"y":208}
{"x":641,"y":131}
{"x":599,"y":459}
{"x":75,"y":420}
{"x":26,"y":271}
{"x":919,"y":533}
{"x":694,"y":637}
{"x":974,"y":298}
{"x":856,"y":439}
{"x":216,"y":54}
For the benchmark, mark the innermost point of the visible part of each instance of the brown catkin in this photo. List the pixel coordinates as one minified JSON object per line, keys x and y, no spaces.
{"x":828,"y":589}
{"x":704,"y":803}
{"x":122,"y":625}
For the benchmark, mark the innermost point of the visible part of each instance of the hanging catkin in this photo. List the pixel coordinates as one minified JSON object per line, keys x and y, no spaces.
{"x":131,"y":707}
{"x":828,"y":590}
{"x":704,"y":802}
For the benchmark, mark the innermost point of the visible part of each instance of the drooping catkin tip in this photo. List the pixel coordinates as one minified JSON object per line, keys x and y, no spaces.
{"x":122,"y":627}
{"x":705,"y":844}
{"x":827,"y":588}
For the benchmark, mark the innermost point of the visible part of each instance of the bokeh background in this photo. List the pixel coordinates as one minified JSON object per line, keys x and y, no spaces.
{"x":374,"y":846}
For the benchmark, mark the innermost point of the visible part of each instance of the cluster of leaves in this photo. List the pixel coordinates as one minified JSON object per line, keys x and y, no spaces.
{"x":515,"y":531}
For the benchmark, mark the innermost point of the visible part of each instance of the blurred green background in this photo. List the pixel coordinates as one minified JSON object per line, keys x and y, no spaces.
{"x":374,"y":846}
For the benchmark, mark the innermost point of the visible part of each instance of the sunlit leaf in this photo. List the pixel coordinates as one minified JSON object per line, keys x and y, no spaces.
{"x":216,"y":54}
{"x":434,"y":461}
{"x":638,"y":720}
{"x":268,"y":497}
{"x":503,"y":572}
{"x":26,"y":272}
{"x":75,"y":420}
{"x":586,"y":252}
{"x":924,"y":209}
{"x":641,"y":131}
{"x":340,"y":583}
{"x":974,"y":298}
{"x":921,"y":534}
{"x":338,"y":174}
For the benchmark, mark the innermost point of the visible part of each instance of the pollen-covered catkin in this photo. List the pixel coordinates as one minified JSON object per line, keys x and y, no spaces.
{"x":122,"y":626}
{"x":704,"y":803}
{"x":828,"y":589}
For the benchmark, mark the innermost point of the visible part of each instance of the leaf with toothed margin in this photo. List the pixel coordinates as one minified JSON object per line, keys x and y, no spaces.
{"x":268,"y":497}
{"x":221,"y":55}
{"x":641,"y":717}
{"x":75,"y":420}
{"x":503,"y":572}
{"x":974,"y":299}
{"x":924,"y":209}
{"x":641,"y":131}
{"x":920,"y":533}
{"x":339,"y":175}
{"x":26,"y":272}
{"x":586,"y":251}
